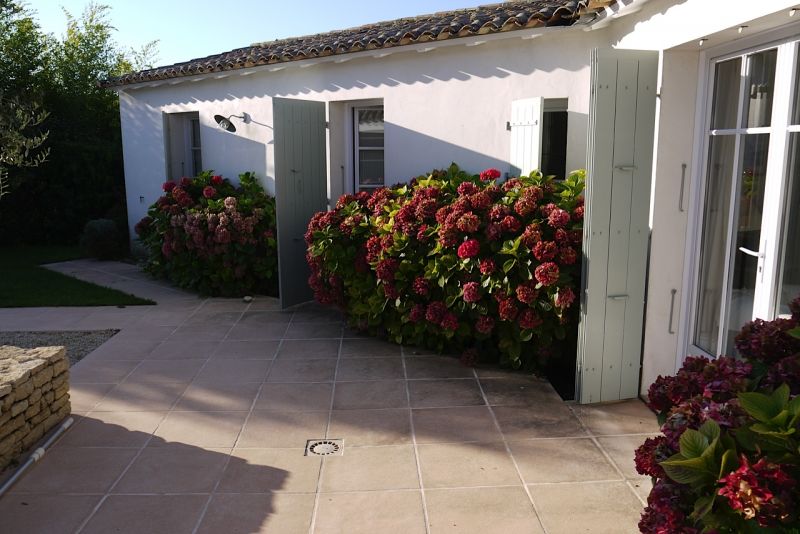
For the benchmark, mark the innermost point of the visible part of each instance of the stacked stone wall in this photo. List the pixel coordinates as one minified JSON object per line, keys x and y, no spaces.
{"x":34,"y":396}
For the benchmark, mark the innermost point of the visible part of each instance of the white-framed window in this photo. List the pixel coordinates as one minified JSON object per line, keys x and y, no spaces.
{"x":183,"y":145}
{"x":748,"y":261}
{"x":368,"y":147}
{"x":554,"y":137}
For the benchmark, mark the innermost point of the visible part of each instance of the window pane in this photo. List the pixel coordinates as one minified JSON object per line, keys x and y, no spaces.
{"x":726,"y":94}
{"x":760,"y":86}
{"x":195,"y":133}
{"x":789,"y":271}
{"x":370,"y":127}
{"x":370,"y":167}
{"x":713,"y":251}
{"x":554,"y":143}
{"x":747,"y":228}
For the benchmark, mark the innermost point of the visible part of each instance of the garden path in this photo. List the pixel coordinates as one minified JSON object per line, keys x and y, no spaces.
{"x":195,"y":416}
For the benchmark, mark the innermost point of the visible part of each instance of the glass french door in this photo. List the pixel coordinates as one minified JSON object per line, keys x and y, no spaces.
{"x":749,"y":255}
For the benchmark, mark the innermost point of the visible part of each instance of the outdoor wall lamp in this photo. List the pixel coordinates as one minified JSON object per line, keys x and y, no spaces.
{"x":226,"y":124}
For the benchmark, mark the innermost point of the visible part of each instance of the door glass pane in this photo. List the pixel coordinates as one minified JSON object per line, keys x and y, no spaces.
{"x":747,"y":237}
{"x":789,"y":269}
{"x":726,"y":94}
{"x":714,"y":241}
{"x":370,"y":128}
{"x":760,"y":87}
{"x":370,"y":167}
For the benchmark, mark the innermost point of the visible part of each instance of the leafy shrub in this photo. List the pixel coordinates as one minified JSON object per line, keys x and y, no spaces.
{"x":206,"y":235}
{"x":457,"y":262}
{"x":101,"y":239}
{"x":729,"y":457}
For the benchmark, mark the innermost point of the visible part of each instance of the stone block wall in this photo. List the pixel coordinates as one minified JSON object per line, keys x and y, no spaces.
{"x":34,"y":396}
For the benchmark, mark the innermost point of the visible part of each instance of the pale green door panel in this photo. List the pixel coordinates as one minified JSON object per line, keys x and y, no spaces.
{"x":300,"y":188}
{"x":617,"y":233}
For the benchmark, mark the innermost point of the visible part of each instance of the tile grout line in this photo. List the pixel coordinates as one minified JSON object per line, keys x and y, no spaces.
{"x":510,"y":454}
{"x":141,"y":449}
{"x":313,"y":524}
{"x":608,"y":457}
{"x":414,"y":443}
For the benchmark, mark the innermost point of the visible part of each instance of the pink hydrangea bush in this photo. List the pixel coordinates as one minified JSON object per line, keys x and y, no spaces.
{"x":728,"y":459}
{"x":453,"y":261}
{"x":207,"y":235}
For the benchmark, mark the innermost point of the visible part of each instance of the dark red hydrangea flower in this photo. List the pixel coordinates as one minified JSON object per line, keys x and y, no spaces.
{"x":386,"y":269}
{"x":484,"y":324}
{"x":442,"y":214}
{"x":426,"y":209}
{"x":480,"y":201}
{"x":567,"y":256}
{"x":558,"y":218}
{"x":545,"y":250}
{"x":378,"y":200}
{"x":373,"y":248}
{"x":469,"y":248}
{"x":435,"y":312}
{"x":487,"y":266}
{"x":467,"y":189}
{"x":168,"y":186}
{"x":576,"y":236}
{"x":469,"y":358}
{"x":762,"y":491}
{"x":448,"y":237}
{"x":547,"y":209}
{"x":561,"y":236}
{"x":390,"y":291}
{"x":511,"y":184}
{"x":510,"y":224}
{"x":472,"y":292}
{"x":216,"y":179}
{"x":186,"y":182}
{"x":650,"y":454}
{"x":143,"y":225}
{"x":406,"y":220}
{"x":547,"y":273}
{"x":344,"y":200}
{"x":422,"y":233}
{"x":421,"y":286}
{"x":468,"y":223}
{"x":577,"y":213}
{"x":417,"y":313}
{"x":387,"y":241}
{"x":524,"y":206}
{"x":494,"y":231}
{"x":531,"y":236}
{"x":508,"y":310}
{"x":668,"y":508}
{"x":767,"y":341}
{"x":489,"y":175}
{"x":528,"y":319}
{"x":565,"y":298}
{"x":785,"y":371}
{"x":449,"y":322}
{"x":498,"y":212}
{"x":527,"y":292}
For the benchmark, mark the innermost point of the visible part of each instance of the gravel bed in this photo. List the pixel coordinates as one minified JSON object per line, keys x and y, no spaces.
{"x":79,"y":343}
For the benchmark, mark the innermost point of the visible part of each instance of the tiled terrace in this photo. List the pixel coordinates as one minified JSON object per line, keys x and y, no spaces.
{"x":194,"y":418}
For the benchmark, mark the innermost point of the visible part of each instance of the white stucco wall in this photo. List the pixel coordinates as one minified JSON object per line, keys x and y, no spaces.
{"x":448,"y":104}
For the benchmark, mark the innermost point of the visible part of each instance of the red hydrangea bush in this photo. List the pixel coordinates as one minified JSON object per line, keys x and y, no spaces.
{"x":728,"y":459}
{"x":456,"y":262}
{"x":207,"y":235}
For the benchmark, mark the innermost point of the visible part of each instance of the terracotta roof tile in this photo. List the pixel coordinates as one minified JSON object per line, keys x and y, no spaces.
{"x":482,"y":20}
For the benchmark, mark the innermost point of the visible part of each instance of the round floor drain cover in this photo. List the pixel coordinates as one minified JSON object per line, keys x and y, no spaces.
{"x":324,"y":447}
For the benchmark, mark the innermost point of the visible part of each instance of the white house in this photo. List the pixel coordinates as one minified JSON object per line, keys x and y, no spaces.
{"x":686,"y":113}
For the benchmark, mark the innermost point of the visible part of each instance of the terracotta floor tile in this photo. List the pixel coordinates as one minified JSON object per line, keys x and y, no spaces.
{"x":522,"y":422}
{"x":599,"y":508}
{"x":481,"y":511}
{"x":134,"y":397}
{"x":436,"y":367}
{"x":371,"y":468}
{"x":113,"y":429}
{"x":201,"y":429}
{"x":153,"y":514}
{"x":175,"y":469}
{"x":100,"y":371}
{"x":625,"y":417}
{"x":302,"y":370}
{"x":309,"y":348}
{"x":84,"y":397}
{"x":454,"y":465}
{"x":443,"y":425}
{"x":355,"y":369}
{"x":371,"y":427}
{"x":295,"y":397}
{"x":561,"y":460}
{"x":271,"y":470}
{"x":44,"y":514}
{"x":75,"y":470}
{"x":191,"y":349}
{"x":444,"y":393}
{"x":224,"y":397}
{"x":366,"y":395}
{"x":233,"y":371}
{"x":278,"y":513}
{"x":266,"y":429}
{"x":314,"y":330}
{"x":520,"y":391}
{"x":370,"y":512}
{"x":622,"y":449}
{"x":246,"y":350}
{"x":262,"y":317}
{"x":172,"y":371}
{"x":369,"y":348}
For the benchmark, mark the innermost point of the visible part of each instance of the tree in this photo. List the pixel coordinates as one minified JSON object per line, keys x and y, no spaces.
{"x":19,"y":147}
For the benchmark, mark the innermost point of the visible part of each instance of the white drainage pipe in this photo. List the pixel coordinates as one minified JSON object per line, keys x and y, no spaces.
{"x":35,"y":456}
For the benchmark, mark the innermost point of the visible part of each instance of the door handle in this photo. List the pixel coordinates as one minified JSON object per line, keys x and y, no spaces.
{"x":625,"y":167}
{"x":617,"y":297}
{"x":751,"y":252}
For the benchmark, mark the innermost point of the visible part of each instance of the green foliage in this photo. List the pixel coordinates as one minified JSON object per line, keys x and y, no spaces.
{"x":207,"y":235}
{"x":20,"y":144}
{"x":101,"y":239}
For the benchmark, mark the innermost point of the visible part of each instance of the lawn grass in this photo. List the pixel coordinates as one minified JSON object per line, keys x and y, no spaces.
{"x":24,"y":284}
